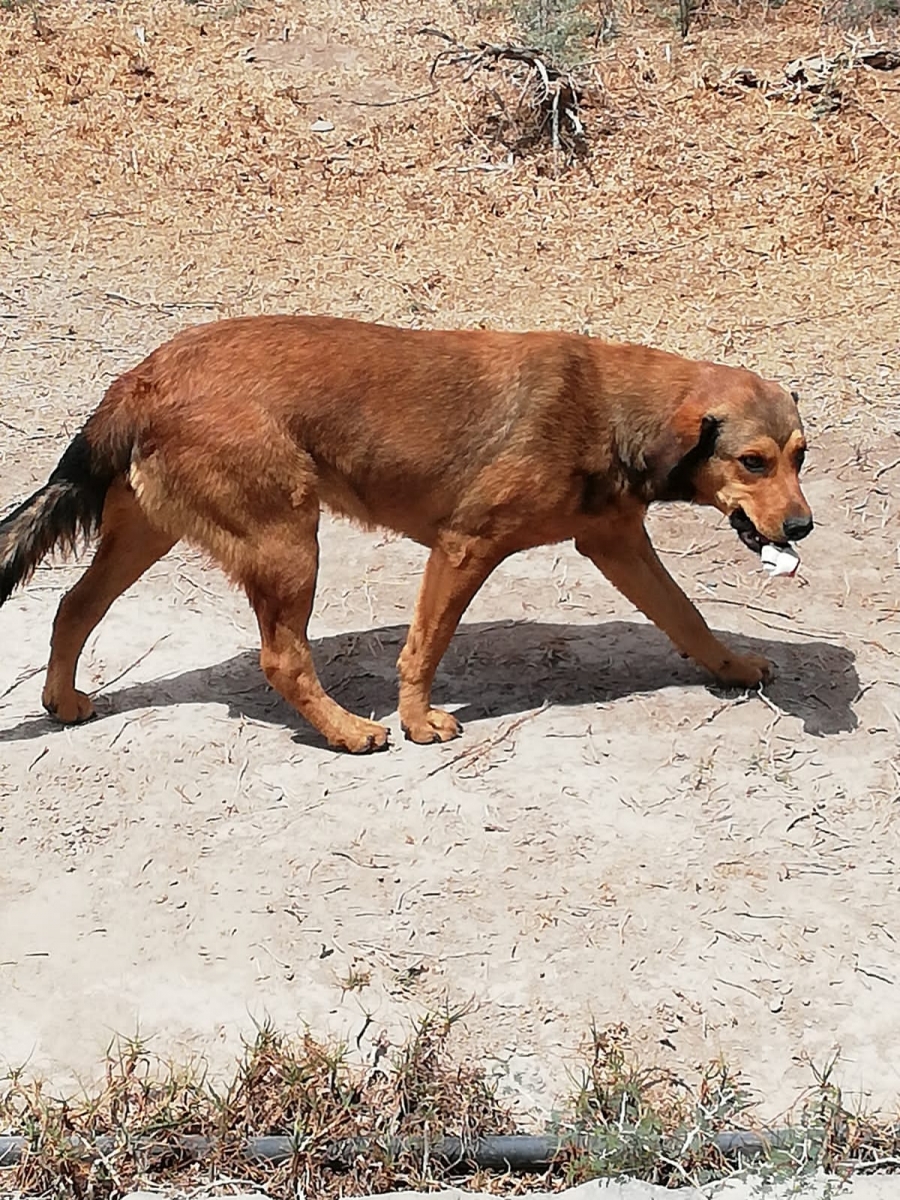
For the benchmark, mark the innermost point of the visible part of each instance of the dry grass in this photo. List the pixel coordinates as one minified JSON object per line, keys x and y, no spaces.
{"x":147,"y":1113}
{"x":370,"y":1128}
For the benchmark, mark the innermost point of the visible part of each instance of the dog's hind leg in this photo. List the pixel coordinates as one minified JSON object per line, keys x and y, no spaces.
{"x":279,"y":576}
{"x":626,"y":557}
{"x":453,"y":575}
{"x":129,"y":544}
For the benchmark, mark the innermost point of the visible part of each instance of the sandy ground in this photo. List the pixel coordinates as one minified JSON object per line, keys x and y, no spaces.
{"x":825,"y":1187}
{"x":749,"y":1188}
{"x":818,"y":1187}
{"x":612,"y":840}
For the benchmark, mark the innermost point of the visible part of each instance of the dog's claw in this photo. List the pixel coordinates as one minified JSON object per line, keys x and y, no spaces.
{"x":371,"y":746}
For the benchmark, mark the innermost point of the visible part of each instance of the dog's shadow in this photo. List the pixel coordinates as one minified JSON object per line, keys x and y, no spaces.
{"x":495,"y":669}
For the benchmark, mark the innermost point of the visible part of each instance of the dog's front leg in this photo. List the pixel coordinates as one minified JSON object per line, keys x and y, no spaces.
{"x":625,"y":555}
{"x":453,"y":574}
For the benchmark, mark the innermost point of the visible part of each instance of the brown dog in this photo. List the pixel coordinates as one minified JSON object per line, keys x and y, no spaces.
{"x":476,"y":444}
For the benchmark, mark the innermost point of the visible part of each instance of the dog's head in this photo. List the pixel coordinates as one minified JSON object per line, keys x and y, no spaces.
{"x":738,"y":446}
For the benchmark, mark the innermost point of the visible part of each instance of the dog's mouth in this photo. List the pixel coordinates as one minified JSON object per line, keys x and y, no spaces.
{"x":749,"y":534}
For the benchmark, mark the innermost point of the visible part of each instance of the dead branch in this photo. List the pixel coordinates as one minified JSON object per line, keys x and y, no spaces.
{"x":554,"y":93}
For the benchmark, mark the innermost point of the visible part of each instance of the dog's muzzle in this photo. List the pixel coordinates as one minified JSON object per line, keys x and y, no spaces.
{"x":749,"y":534}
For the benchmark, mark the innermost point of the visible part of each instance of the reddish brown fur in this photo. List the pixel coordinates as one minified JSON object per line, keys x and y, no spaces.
{"x":475,"y":444}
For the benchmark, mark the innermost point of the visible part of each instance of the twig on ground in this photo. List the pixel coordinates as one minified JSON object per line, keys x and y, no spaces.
{"x":131,"y":666}
{"x":887,"y":467}
{"x":23,"y":678}
{"x":770,"y":704}
{"x":390,"y":103}
{"x":472,"y":753}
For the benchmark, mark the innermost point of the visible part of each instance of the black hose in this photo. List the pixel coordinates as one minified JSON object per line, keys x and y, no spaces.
{"x":512,"y":1152}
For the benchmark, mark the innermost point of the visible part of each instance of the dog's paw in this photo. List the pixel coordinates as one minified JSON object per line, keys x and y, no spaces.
{"x":359,"y":736}
{"x":745,"y":670}
{"x":72,"y":708}
{"x":435,"y":726}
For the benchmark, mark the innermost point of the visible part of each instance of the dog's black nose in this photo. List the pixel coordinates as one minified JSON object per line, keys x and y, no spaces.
{"x":796,"y":528}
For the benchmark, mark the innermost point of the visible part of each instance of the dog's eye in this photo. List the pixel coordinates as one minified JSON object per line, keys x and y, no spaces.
{"x":800,"y":459}
{"x":754,"y":463}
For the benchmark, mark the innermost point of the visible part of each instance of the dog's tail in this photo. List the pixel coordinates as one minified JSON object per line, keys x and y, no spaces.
{"x":68,"y":509}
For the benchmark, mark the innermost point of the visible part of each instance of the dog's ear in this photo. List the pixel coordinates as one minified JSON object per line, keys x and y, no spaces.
{"x":688,"y":440}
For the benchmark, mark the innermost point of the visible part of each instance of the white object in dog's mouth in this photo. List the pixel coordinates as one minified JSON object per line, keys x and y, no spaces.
{"x":779,"y":560}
